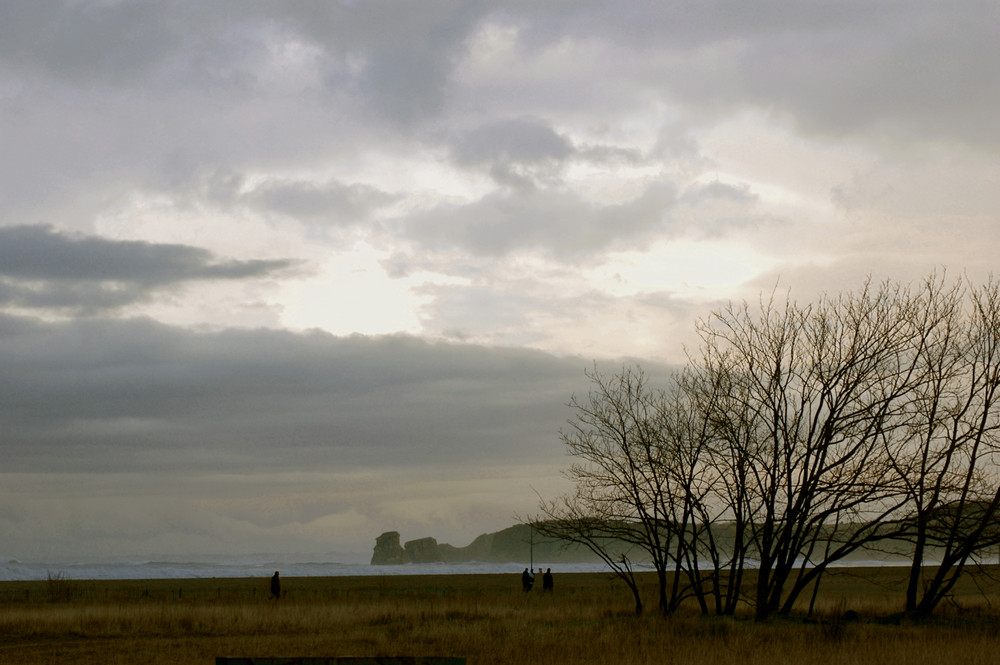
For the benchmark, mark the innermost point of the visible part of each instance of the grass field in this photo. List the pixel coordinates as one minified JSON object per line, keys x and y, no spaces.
{"x":485,"y":618}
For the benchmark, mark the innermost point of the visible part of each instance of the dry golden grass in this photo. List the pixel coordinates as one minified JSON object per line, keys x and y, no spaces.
{"x":485,"y":618}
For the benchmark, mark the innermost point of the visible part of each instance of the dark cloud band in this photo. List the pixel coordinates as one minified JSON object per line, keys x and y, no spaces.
{"x":42,"y":268}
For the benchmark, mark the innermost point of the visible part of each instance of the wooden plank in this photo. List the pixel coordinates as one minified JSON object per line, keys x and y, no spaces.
{"x":376,"y":660}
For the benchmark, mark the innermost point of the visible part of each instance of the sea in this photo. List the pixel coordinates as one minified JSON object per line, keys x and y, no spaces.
{"x":12,"y":569}
{"x":289,"y":566}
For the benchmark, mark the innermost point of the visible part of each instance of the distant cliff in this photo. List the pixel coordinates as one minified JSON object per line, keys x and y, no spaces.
{"x":515,"y":544}
{"x":511,"y":544}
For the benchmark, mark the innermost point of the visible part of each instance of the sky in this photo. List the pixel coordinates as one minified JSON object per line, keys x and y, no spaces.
{"x":280,"y":276}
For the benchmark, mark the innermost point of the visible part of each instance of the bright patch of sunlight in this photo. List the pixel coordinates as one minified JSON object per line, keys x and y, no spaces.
{"x":691,"y":269}
{"x":351,"y":294}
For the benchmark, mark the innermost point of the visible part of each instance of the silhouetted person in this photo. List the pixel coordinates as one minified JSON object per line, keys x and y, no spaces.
{"x":527,"y":581}
{"x":275,"y":586}
{"x":547,"y":584}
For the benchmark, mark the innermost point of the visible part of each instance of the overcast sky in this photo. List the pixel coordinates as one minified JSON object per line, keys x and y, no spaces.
{"x":280,"y":276}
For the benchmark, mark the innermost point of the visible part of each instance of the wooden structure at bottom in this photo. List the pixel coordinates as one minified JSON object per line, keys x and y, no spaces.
{"x":374,"y":660}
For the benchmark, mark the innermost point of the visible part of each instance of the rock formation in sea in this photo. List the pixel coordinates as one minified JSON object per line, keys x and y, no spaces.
{"x":516,"y":543}
{"x":388,"y":551}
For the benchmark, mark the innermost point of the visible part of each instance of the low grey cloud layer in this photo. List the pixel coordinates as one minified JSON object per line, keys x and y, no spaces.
{"x":120,"y":399}
{"x":163,"y":398}
{"x":283,"y":275}
{"x":41,"y":268}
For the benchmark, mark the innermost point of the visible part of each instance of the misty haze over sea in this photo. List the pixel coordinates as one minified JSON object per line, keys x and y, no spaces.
{"x":264,"y":565}
{"x":331,"y":565}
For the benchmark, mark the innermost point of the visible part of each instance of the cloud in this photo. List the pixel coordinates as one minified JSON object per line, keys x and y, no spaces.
{"x":553,"y":220}
{"x":126,"y":395}
{"x":331,"y":202}
{"x":267,"y":440}
{"x":583,"y":177}
{"x":406,"y":70}
{"x":116,"y":43}
{"x":718,"y":209}
{"x":43,"y":268}
{"x":523,"y":141}
{"x":517,"y":152}
{"x":163,"y":91}
{"x":880,"y":71}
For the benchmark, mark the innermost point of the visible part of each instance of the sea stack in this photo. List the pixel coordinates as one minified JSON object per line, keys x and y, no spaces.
{"x":388,"y":551}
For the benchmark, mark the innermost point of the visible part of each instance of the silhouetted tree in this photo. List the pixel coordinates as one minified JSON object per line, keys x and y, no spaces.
{"x":814,"y":392}
{"x":627,"y":499}
{"x":797,"y":435}
{"x":948,"y":463}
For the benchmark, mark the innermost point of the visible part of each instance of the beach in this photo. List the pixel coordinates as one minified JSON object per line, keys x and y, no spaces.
{"x":486,"y":618}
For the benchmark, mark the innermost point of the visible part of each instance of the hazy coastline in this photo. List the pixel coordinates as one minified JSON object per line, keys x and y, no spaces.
{"x":291,"y":566}
{"x":305,"y":566}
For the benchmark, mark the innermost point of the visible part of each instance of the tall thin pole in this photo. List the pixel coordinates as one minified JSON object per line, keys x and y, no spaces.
{"x":531,"y":547}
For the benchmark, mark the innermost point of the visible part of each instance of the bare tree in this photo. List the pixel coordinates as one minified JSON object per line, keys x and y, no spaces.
{"x":797,"y":436}
{"x":723,"y":504}
{"x":626,"y":491}
{"x":814,"y":392}
{"x":948,"y":463}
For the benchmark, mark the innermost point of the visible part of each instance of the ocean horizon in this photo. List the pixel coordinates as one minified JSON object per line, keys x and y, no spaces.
{"x":13,"y":569}
{"x":309,"y":565}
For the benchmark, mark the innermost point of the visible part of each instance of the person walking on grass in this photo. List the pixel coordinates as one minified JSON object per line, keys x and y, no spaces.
{"x":547,"y":582}
{"x":275,"y":586}
{"x":527,"y":581}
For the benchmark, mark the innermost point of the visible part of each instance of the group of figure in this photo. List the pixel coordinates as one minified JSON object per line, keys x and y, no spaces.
{"x":528,"y":580}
